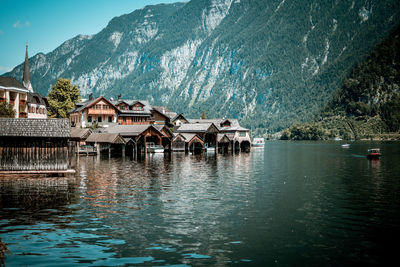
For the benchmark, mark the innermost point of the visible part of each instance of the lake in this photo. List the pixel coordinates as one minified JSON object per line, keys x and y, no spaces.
{"x":291,"y":203}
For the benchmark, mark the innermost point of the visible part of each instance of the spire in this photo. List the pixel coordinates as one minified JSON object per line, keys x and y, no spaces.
{"x":26,"y":78}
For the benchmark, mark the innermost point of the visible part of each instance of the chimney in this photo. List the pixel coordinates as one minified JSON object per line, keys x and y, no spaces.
{"x":163,"y":110}
{"x":119,"y":97}
{"x":91,"y":96}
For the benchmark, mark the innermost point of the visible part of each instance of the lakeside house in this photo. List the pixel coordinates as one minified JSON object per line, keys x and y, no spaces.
{"x":14,"y":93}
{"x":141,"y":124}
{"x":26,"y":102}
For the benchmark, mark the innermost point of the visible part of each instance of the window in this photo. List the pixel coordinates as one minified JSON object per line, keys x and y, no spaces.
{"x":109,"y":118}
{"x":99,"y":119}
{"x":89,"y":119}
{"x":124,"y":119}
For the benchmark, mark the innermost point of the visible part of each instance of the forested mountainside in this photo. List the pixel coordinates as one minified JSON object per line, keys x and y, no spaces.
{"x":269,"y":63}
{"x":367,"y":105}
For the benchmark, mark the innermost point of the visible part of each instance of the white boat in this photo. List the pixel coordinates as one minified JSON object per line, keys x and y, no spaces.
{"x":209,"y":149}
{"x":258,"y":142}
{"x":345,"y":145}
{"x":153,"y":148}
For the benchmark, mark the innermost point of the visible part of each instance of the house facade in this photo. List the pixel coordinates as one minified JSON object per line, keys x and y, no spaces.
{"x":26,"y":103}
{"x":14,"y":93}
{"x":94,"y":111}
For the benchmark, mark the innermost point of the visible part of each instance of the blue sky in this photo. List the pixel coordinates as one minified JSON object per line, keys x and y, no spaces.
{"x":45,"y":24}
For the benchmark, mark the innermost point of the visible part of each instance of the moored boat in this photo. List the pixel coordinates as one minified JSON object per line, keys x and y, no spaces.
{"x":345,"y":145}
{"x":374,"y":153}
{"x":153,"y":148}
{"x":209,"y":149}
{"x":258,"y":142}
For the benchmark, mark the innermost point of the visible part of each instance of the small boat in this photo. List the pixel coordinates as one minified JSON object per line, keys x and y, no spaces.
{"x":153,"y":148}
{"x":337,"y":139}
{"x":258,"y":142}
{"x":210,"y":149}
{"x":345,"y":145}
{"x":374,"y":153}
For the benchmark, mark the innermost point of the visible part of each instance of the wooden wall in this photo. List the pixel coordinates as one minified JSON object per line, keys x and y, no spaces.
{"x":18,"y":154}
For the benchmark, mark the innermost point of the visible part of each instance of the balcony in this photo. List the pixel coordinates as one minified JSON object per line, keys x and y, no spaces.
{"x":12,"y":101}
{"x":22,"y":102}
{"x":2,"y":99}
{"x":93,"y":111}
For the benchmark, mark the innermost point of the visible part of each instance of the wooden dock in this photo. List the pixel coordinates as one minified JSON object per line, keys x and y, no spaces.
{"x":46,"y":173}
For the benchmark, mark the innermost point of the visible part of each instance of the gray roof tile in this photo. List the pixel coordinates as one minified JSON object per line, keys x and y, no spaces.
{"x":34,"y":127}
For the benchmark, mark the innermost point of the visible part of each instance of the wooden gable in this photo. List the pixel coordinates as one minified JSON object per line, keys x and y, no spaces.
{"x":103,"y":102}
{"x":167,"y":132}
{"x":195,"y":139}
{"x":179,"y":138}
{"x":181,"y":118}
{"x":159,"y":116}
{"x":119,"y":140}
{"x":150,"y":131}
{"x":224,"y":139}
{"x":137,"y":106}
{"x":212,"y":129}
{"x":123,"y":106}
{"x":226,"y":123}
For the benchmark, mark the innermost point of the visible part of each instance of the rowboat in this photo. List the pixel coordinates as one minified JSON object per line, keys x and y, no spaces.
{"x":374,"y":153}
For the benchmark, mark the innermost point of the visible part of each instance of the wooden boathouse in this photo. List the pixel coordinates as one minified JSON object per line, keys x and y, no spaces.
{"x":34,"y":145}
{"x":187,"y":142}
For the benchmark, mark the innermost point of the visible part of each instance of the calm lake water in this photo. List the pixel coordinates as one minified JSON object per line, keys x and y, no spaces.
{"x":291,"y":204}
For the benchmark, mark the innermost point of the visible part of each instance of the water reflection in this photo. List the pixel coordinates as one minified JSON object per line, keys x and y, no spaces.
{"x":291,"y":204}
{"x":38,"y":199}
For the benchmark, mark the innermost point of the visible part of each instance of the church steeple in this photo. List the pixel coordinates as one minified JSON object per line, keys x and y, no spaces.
{"x":26,"y":79}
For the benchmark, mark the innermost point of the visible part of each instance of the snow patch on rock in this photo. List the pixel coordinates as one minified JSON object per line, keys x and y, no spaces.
{"x":115,"y":38}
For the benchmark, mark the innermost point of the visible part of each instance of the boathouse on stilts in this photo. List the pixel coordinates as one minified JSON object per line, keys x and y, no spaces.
{"x":37,"y":145}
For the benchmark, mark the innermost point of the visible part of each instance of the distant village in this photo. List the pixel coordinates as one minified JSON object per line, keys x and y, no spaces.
{"x":100,"y":125}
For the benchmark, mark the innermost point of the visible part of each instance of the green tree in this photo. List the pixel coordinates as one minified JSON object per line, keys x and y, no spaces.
{"x":390,"y":112}
{"x":62,"y":98}
{"x":6,"y":110}
{"x":203,"y":115}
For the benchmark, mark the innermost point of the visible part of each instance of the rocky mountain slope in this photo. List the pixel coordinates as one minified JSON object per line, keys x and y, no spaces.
{"x":269,"y":63}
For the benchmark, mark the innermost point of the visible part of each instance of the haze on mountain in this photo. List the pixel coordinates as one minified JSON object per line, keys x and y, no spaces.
{"x":269,"y":63}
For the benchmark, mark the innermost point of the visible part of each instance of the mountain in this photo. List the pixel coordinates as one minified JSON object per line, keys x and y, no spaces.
{"x":367,"y":105}
{"x":269,"y":63}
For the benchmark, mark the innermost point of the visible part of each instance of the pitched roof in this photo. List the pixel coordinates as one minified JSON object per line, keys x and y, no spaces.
{"x":235,"y":126}
{"x":111,"y":138}
{"x":225,"y":137}
{"x":80,"y":133}
{"x":195,"y":127}
{"x":129,"y":130}
{"x":11,"y":83}
{"x":32,"y":99}
{"x":162,"y":109}
{"x":146,"y":105}
{"x":88,"y":103}
{"x":34,"y":127}
{"x":176,"y":116}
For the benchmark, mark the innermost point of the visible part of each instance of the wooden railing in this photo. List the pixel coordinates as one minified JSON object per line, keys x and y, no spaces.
{"x":92,"y":111}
